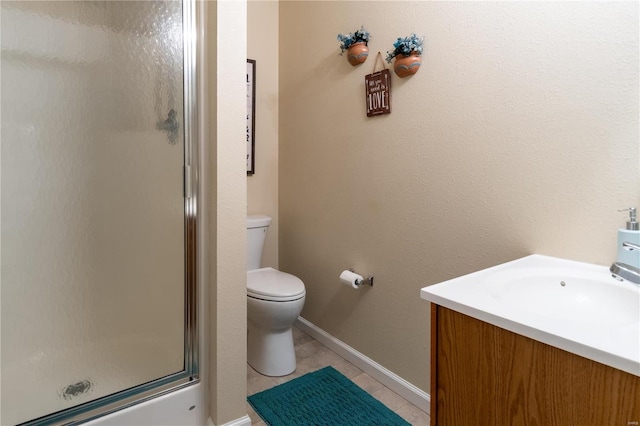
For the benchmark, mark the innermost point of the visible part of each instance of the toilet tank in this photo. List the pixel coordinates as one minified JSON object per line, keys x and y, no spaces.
{"x":257,"y":226}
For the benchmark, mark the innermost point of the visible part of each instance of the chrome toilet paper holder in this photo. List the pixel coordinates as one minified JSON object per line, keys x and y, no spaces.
{"x":365,"y":281}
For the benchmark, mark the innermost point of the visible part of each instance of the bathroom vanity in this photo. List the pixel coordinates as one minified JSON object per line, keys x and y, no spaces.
{"x":536,"y":341}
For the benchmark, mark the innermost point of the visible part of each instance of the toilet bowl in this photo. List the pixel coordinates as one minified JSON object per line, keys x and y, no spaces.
{"x":274,"y":301}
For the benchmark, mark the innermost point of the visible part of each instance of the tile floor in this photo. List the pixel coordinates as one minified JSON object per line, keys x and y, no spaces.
{"x":311,"y":356}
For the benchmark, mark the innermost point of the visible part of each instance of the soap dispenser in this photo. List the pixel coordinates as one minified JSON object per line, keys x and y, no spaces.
{"x":631,"y":235}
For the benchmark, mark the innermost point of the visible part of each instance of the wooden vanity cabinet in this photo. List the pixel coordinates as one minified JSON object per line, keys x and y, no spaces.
{"x":484,"y":375}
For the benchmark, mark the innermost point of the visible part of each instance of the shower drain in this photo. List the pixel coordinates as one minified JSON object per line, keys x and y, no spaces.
{"x":73,"y":390}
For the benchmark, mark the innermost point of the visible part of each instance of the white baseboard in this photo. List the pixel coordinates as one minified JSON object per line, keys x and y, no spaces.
{"x":411,"y":393}
{"x":242,"y":421}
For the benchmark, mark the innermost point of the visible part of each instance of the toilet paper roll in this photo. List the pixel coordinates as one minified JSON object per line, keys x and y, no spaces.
{"x":350,"y":278}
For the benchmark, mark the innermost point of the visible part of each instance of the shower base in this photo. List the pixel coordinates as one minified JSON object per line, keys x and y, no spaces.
{"x":43,"y":383}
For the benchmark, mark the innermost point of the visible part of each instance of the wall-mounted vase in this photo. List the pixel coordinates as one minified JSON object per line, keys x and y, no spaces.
{"x":357,"y":53}
{"x":407,"y":65}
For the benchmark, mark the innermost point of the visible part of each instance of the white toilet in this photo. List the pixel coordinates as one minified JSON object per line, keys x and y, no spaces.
{"x":274,"y":301}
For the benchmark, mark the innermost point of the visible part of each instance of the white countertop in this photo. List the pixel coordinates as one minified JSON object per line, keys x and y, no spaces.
{"x":574,"y":306}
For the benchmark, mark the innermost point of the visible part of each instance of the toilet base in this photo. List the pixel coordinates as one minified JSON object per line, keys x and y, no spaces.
{"x":271,"y":354}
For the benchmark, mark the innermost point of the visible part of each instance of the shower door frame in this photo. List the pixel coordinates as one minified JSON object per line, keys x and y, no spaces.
{"x":190,"y":374}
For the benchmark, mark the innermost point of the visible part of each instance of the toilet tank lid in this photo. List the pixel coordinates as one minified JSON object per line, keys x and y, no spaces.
{"x":258,"y":221}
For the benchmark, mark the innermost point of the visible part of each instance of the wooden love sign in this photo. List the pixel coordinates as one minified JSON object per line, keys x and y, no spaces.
{"x":378,"y":91}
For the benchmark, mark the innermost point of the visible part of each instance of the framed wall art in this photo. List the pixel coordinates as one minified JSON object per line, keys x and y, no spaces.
{"x":251,"y":115}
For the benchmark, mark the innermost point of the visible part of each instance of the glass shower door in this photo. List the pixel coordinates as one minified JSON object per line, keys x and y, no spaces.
{"x":96,"y":234}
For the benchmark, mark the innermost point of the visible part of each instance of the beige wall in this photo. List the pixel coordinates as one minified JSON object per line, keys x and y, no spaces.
{"x":518,"y":135}
{"x":226,"y":36}
{"x":230,"y":188}
{"x":262,"y":187}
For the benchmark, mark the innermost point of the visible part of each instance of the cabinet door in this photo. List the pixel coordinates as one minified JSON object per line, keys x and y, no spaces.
{"x":485,"y":375}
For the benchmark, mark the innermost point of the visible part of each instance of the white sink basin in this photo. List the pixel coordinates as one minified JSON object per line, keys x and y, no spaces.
{"x":572,"y":296}
{"x":577,"y":307}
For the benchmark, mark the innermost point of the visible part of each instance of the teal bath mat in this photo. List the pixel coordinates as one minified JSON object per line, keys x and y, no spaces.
{"x":324,"y":397}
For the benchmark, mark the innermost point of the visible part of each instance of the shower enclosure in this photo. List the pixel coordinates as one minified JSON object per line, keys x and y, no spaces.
{"x":98,"y":206}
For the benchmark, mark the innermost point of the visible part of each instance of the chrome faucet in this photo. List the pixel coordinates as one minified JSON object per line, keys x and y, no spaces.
{"x":622,"y":271}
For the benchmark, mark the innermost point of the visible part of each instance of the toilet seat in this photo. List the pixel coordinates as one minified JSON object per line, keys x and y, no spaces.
{"x":273,"y":285}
